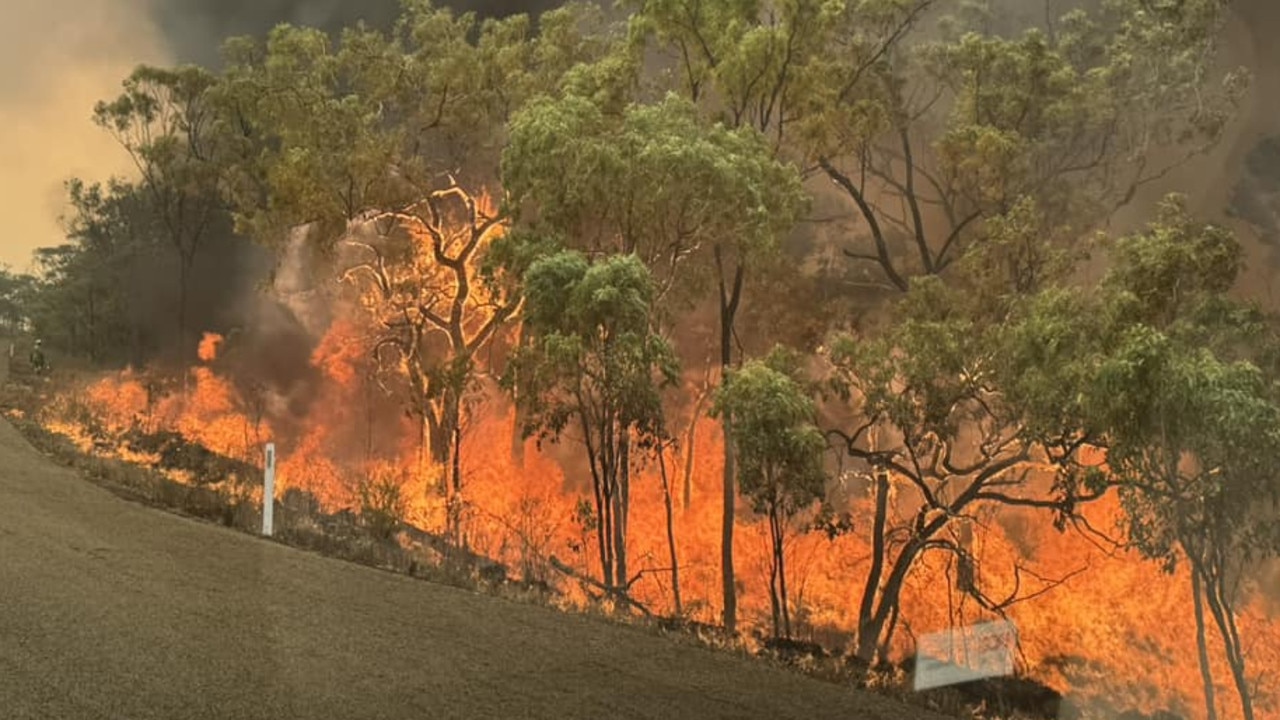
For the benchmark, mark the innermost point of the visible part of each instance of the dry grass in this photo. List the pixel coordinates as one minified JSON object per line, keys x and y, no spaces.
{"x":300,"y":524}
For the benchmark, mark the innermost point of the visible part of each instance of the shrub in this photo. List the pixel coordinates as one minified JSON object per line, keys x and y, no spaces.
{"x":383,"y":506}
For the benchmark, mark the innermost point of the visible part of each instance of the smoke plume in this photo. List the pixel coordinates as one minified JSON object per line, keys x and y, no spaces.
{"x":197,"y":27}
{"x":61,"y":56}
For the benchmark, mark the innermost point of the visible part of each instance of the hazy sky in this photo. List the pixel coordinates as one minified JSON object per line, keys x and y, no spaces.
{"x":62,"y":56}
{"x":59,"y":58}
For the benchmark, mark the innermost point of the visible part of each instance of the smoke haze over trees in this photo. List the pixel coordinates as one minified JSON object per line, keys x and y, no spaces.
{"x":194,"y":29}
{"x":585,"y":231}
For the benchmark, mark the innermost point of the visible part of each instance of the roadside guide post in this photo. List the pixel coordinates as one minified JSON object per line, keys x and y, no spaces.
{"x":268,"y":490}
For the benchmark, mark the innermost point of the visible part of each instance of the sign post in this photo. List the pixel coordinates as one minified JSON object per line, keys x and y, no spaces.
{"x":269,"y":490}
{"x":965,"y":654}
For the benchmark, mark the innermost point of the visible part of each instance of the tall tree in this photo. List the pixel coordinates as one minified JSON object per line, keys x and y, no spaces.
{"x":420,"y":273}
{"x":89,"y":304}
{"x":780,"y":450}
{"x":357,"y":138}
{"x":592,"y":370}
{"x":743,"y":66}
{"x":16,"y":295}
{"x":1192,"y":418}
{"x":689,"y":198}
{"x":1077,"y":115}
{"x":961,"y":404}
{"x":164,"y":120}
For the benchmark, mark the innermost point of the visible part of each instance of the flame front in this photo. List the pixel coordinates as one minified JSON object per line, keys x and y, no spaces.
{"x":1110,"y":629}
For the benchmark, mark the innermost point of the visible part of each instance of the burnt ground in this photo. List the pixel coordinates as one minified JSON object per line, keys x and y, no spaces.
{"x":110,"y":609}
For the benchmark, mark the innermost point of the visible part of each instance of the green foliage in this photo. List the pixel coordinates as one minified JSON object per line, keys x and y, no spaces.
{"x":1186,"y":399}
{"x":1173,"y":271}
{"x":1077,"y":115}
{"x":16,"y":300}
{"x":383,"y":506}
{"x":779,"y":446}
{"x":1187,"y":392}
{"x":594,"y":357}
{"x":165,"y":121}
{"x":593,"y":367}
{"x":85,"y":300}
{"x":324,"y":132}
{"x":657,"y":182}
{"x":779,"y":450}
{"x":758,"y":64}
{"x":934,"y":118}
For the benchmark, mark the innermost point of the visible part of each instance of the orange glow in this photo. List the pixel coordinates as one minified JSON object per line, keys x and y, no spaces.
{"x":1118,"y":631}
{"x":1127,"y":626}
{"x":208,"y":350}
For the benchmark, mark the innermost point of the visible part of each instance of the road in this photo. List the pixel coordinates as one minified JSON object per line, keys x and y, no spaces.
{"x":110,"y":609}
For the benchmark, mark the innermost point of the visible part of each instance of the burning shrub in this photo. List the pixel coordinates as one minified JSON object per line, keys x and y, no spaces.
{"x":798,"y":653}
{"x":299,"y":503}
{"x":178,"y":453}
{"x":383,"y":507}
{"x":70,"y":409}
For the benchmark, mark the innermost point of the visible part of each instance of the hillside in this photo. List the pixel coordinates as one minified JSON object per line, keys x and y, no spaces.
{"x":114,"y":610}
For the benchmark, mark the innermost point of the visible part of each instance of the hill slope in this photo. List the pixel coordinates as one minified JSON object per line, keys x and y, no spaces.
{"x":113,"y":610}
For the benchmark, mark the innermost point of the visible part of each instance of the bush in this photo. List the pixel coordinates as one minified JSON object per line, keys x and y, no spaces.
{"x":383,"y":506}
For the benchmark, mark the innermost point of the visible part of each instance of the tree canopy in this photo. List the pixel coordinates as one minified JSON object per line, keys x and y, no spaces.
{"x":609,"y":205}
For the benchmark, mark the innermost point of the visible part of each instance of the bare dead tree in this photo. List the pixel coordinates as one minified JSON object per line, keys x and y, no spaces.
{"x":421,"y":283}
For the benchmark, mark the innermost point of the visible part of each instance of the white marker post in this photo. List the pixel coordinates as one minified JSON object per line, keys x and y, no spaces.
{"x":269,"y":490}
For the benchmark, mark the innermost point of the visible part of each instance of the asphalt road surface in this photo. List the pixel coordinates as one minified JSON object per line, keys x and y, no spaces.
{"x":110,"y":609}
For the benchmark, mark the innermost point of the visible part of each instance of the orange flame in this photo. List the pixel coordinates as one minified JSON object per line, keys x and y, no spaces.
{"x":1118,"y":632}
{"x":208,"y":350}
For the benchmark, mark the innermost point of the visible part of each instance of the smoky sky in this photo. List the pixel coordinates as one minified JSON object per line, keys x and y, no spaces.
{"x":195,"y":29}
{"x":59,"y":57}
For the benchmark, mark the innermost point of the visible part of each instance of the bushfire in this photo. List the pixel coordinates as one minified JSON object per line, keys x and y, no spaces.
{"x":1105,"y":628}
{"x":1110,"y":631}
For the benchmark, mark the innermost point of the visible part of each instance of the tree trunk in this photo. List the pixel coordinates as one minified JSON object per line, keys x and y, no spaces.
{"x":690,"y":440}
{"x":686,"y":496}
{"x":453,"y":425}
{"x":440,"y":439}
{"x":183,"y":282}
{"x":517,"y":425}
{"x":1224,"y":616}
{"x":597,"y":459}
{"x":423,"y":434}
{"x":455,"y":501}
{"x":93,"y":334}
{"x":890,"y":626}
{"x":602,"y":538}
{"x":1202,"y":649}
{"x":185,"y":263}
{"x":621,"y":503}
{"x":369,"y":417}
{"x":778,"y":526}
{"x":775,"y":606}
{"x":517,"y":442}
{"x":873,"y":639}
{"x":606,"y":528}
{"x":671,"y":532}
{"x":868,"y":634}
{"x":729,"y":299}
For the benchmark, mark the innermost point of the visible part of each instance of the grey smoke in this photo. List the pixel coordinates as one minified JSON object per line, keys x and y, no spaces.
{"x":195,"y":29}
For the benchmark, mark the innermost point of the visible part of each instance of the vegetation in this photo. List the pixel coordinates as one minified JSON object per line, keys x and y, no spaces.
{"x":779,"y":449}
{"x":652,"y":182}
{"x":593,"y":366}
